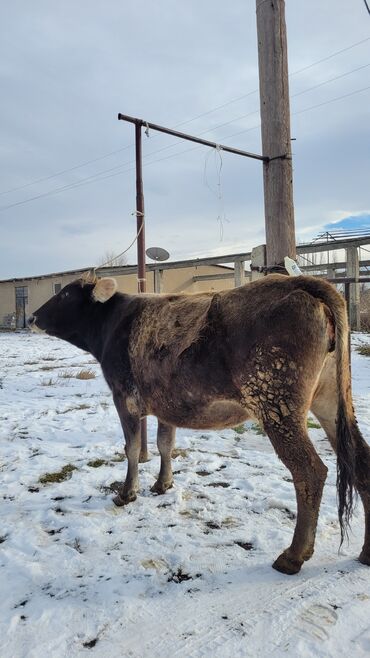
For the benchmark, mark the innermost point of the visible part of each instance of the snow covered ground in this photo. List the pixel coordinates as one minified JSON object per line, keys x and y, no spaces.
{"x":187,"y":574}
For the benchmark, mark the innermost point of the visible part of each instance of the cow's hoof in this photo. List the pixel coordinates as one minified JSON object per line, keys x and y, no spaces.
{"x":161,"y":487}
{"x":123,"y":499}
{"x":144,"y":457}
{"x":364,"y":557}
{"x":287,"y":565}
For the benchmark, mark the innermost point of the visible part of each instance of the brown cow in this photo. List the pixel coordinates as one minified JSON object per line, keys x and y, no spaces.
{"x":270,"y":350}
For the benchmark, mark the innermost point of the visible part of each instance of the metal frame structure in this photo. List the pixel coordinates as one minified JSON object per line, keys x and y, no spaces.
{"x":140,"y":213}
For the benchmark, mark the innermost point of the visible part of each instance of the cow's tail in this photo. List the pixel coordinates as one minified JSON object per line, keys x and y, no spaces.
{"x":347,"y":432}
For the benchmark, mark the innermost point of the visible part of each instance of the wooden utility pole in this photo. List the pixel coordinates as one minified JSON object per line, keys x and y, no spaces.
{"x":275,"y":119}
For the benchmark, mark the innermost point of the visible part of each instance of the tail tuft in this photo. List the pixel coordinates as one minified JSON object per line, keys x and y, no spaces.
{"x":346,"y":468}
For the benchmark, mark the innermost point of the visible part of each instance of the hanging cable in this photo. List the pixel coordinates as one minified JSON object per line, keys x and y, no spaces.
{"x":108,"y":262}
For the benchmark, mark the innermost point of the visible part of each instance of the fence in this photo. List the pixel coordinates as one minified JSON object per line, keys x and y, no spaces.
{"x":251,"y":265}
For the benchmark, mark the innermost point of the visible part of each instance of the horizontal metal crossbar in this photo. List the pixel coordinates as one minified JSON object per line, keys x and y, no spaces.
{"x":192,"y":138}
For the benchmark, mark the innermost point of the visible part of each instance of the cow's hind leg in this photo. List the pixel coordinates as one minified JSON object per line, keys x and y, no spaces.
{"x":165,"y":442}
{"x":324,"y":406}
{"x":293,"y":446}
{"x":363,"y":487}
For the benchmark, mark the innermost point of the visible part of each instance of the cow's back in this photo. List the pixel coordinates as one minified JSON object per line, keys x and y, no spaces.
{"x":188,"y":352}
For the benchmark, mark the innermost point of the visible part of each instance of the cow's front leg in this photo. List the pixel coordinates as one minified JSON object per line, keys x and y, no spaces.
{"x":144,"y":454}
{"x":165,"y":442}
{"x":130,"y":421}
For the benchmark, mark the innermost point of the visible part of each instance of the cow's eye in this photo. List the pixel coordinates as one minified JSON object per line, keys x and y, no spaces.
{"x":64,"y":295}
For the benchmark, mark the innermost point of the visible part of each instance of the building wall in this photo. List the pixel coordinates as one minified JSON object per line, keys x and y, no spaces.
{"x":179,"y":280}
{"x":40,"y":289}
{"x":7,"y":305}
{"x":182,"y":279}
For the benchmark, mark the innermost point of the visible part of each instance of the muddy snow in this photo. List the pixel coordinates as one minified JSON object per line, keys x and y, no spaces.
{"x":187,"y":574}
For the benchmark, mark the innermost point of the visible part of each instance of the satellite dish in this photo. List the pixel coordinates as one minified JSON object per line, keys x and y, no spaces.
{"x":157,"y":253}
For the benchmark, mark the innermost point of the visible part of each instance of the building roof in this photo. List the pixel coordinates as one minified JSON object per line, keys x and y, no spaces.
{"x":125,"y":269}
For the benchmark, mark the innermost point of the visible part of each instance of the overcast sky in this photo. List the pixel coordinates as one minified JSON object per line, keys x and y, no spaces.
{"x":68,"y":68}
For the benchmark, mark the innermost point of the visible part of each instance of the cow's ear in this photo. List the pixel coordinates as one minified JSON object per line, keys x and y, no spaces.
{"x":104,"y":289}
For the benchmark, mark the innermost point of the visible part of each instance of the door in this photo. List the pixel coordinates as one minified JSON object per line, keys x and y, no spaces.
{"x":21,"y":301}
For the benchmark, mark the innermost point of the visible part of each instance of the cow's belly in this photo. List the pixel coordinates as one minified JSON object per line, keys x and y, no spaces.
{"x":217,"y":414}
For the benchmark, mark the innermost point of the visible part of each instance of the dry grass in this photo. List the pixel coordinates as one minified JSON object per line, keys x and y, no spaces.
{"x":66,"y":374}
{"x":239,"y":429}
{"x":81,"y":374}
{"x":113,"y":487}
{"x":364,"y":350}
{"x":78,"y":407}
{"x":258,"y":429}
{"x":118,"y":457}
{"x":59,"y":476}
{"x":85,"y":374}
{"x":312,"y":424}
{"x":179,"y":452}
{"x":96,"y":463}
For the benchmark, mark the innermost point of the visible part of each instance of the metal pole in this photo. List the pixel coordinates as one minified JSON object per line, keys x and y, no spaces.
{"x":347,"y":294}
{"x":141,"y":274}
{"x":140,"y":218}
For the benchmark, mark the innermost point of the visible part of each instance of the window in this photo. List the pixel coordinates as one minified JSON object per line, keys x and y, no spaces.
{"x":57,"y":288}
{"x":21,"y":293}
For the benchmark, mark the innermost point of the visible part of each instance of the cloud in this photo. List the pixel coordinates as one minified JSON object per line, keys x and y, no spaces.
{"x":66,"y":73}
{"x":77,"y":228}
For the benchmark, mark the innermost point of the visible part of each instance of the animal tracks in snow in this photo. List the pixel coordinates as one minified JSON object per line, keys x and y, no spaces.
{"x":252,"y":616}
{"x":315,"y":620}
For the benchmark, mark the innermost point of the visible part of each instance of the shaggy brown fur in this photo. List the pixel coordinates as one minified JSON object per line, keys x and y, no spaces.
{"x":262,"y":351}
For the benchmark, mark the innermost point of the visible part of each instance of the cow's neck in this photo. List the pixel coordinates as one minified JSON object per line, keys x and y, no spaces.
{"x":93,"y":328}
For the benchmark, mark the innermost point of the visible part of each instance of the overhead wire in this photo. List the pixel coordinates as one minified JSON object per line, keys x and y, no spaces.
{"x":164,"y":148}
{"x":98,"y":177}
{"x":338,"y":98}
{"x":108,"y":262}
{"x":65,"y":171}
{"x":325,"y":82}
{"x":186,"y":122}
{"x":245,"y":130}
{"x":335,"y":54}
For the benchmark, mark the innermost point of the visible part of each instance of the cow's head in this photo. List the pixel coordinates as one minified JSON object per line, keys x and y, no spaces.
{"x":61,"y":315}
